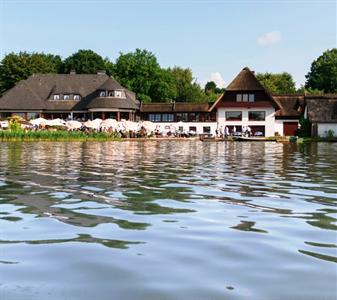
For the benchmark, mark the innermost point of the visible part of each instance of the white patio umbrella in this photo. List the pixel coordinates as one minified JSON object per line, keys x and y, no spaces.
{"x":109,"y":123}
{"x":129,"y":125}
{"x":95,"y":124}
{"x":56,"y":122}
{"x":38,"y":121}
{"x":73,"y":125}
{"x":149,"y":126}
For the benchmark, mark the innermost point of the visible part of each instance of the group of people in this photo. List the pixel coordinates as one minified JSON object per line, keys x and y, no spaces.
{"x":232,"y":131}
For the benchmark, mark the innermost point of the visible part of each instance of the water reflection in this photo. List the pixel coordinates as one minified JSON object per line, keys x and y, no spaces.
{"x":175,"y":205}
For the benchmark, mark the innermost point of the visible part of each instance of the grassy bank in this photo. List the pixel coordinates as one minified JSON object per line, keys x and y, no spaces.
{"x":60,"y":135}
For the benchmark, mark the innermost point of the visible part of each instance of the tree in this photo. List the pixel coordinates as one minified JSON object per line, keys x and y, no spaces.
{"x":84,"y":62}
{"x":187,"y":89}
{"x":278,"y":83}
{"x":19,"y":66}
{"x":141,"y":72}
{"x":210,"y":87}
{"x":323,"y":72}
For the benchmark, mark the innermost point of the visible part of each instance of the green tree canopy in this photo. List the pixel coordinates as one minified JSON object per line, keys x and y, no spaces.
{"x":323,"y":73}
{"x":141,"y":72}
{"x":84,"y":62}
{"x":18,"y":66}
{"x":210,"y":87}
{"x":187,"y":90}
{"x":278,"y":83}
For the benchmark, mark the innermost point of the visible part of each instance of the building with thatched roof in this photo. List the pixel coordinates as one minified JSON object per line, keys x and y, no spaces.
{"x":78,"y":96}
{"x":244,"y":104}
{"x":322,"y":114}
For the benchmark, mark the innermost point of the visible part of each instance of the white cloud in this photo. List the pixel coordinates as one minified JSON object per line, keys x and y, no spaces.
{"x":217,"y":78}
{"x":269,"y":38}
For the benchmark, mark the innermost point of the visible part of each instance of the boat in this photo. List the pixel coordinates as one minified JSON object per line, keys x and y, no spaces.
{"x":253,"y":139}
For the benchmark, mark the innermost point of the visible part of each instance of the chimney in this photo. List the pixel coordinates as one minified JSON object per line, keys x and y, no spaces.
{"x":101,"y":72}
{"x":72,"y":72}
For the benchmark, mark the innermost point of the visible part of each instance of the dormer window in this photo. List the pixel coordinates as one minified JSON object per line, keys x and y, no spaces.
{"x":77,"y":97}
{"x":66,"y":97}
{"x":56,"y":97}
{"x":119,"y":94}
{"x":102,"y":93}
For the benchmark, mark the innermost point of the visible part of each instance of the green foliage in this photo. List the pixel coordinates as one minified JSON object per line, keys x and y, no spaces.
{"x":187,"y":90}
{"x":140,"y":72}
{"x":330,"y":134}
{"x":84,"y":62}
{"x":309,"y":91}
{"x":323,"y":72}
{"x":109,"y":67}
{"x":279,"y":83}
{"x":14,"y":125}
{"x":58,"y":135}
{"x":305,"y":127}
{"x":211,"y":88}
{"x":15,"y":67}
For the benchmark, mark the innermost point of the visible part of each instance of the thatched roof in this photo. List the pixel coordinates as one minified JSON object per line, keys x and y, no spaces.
{"x":117,"y":103}
{"x":322,"y":109}
{"x":245,"y":81}
{"x":290,"y":105}
{"x":36,"y":92}
{"x":173,"y":107}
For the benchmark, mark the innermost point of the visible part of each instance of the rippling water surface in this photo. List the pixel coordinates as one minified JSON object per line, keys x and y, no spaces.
{"x":168,"y":220}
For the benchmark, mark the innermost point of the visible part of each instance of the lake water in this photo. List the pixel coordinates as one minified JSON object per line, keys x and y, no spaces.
{"x":168,"y":220}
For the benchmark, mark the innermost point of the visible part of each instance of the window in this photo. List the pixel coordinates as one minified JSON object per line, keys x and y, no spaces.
{"x":102,"y":93}
{"x":251,"y":97}
{"x":238,"y":97}
{"x":167,"y":118}
{"x":193,"y":129}
{"x":56,"y":97}
{"x":155,"y":117}
{"x":256,"y":115}
{"x":182,"y":117}
{"x":77,"y":97}
{"x":245,"y":97}
{"x":119,"y":94}
{"x":66,"y":97}
{"x":206,"y":129}
{"x":111,"y":94}
{"x":233,"y":116}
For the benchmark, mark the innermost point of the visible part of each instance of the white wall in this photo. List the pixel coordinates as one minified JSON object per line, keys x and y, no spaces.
{"x":186,"y":125}
{"x":323,"y":128}
{"x":269,"y":123}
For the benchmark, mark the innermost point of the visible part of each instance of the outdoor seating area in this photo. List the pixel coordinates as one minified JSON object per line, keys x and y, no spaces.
{"x":122,"y":129}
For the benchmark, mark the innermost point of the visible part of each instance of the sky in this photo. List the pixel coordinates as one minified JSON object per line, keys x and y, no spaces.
{"x":215,"y":38}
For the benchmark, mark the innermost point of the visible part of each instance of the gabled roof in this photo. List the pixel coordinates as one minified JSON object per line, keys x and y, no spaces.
{"x":110,"y":84}
{"x":245,"y":81}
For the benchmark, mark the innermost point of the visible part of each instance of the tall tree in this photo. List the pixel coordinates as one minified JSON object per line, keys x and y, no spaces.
{"x":84,"y":62}
{"x":141,"y":72}
{"x":210,"y":87}
{"x":187,"y":89}
{"x":18,"y":66}
{"x":278,"y":83}
{"x":323,"y":72}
